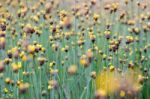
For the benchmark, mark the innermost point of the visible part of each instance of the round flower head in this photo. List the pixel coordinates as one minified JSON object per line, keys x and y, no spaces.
{"x":72,"y":69}
{"x":23,"y":87}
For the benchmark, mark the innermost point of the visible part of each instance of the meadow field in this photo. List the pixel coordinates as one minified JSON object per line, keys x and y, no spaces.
{"x":74,"y":49}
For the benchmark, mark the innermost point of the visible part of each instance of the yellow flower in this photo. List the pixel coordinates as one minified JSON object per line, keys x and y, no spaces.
{"x":24,"y":58}
{"x":50,"y":87}
{"x":129,"y":39}
{"x":93,"y":74}
{"x":100,"y":93}
{"x":52,"y":84}
{"x":104,"y":56}
{"x":2,"y":20}
{"x":31,"y":49}
{"x":7,"y":80}
{"x":96,"y":17}
{"x":122,"y":93}
{"x":19,"y":65}
{"x":52,"y":64}
{"x":53,"y":71}
{"x":35,"y":18}
{"x":5,"y":90}
{"x":72,"y":69}
{"x":14,"y":50}
{"x":112,"y":68}
{"x":16,"y":66}
{"x":7,"y":60}
{"x":84,"y":61}
{"x":107,"y":81}
{"x":23,"y":87}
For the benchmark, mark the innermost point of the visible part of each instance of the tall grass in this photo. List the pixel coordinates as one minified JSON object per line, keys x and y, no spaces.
{"x":58,"y":49}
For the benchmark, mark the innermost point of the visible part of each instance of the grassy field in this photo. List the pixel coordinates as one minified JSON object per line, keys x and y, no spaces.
{"x":74,"y":49}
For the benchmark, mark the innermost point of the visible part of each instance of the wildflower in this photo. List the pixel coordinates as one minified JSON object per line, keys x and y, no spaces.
{"x":67,"y":35}
{"x":131,"y":22}
{"x":141,"y":78}
{"x":136,"y":30}
{"x":66,"y":22}
{"x":15,"y":52}
{"x":84,"y":61}
{"x":100,"y":94}
{"x":114,"y":45}
{"x":29,"y":29}
{"x":9,"y":53}
{"x":112,"y":68}
{"x":35,"y":18}
{"x":25,"y":73}
{"x":44,"y":93}
{"x":131,"y":65}
{"x":107,"y":34}
{"x":145,"y":28}
{"x":80,"y":42}
{"x":104,"y":56}
{"x":7,"y":60}
{"x":16,"y":66}
{"x":24,"y":43}
{"x":72,"y":69}
{"x":2,"y":24}
{"x":109,"y":58}
{"x":23,"y":87}
{"x":108,"y":82}
{"x":107,"y":7}
{"x":122,"y":93}
{"x":5,"y":90}
{"x":53,"y":71}
{"x":92,"y":38}
{"x":23,"y":56}
{"x":130,"y":39}
{"x":38,"y":47}
{"x":89,"y":55}
{"x":130,"y":83}
{"x":122,"y":15}
{"x":41,"y":60}
{"x":55,"y":46}
{"x":8,"y":81}
{"x":96,"y":17}
{"x":114,"y":7}
{"x":62,"y":63}
{"x":31,"y":49}
{"x":52,"y":84}
{"x":48,"y":7}
{"x":93,"y":2}
{"x":19,"y":82}
{"x":93,"y":74}
{"x":52,"y":64}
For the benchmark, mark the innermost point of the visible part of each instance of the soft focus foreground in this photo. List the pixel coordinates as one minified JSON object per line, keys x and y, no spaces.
{"x":74,"y":49}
